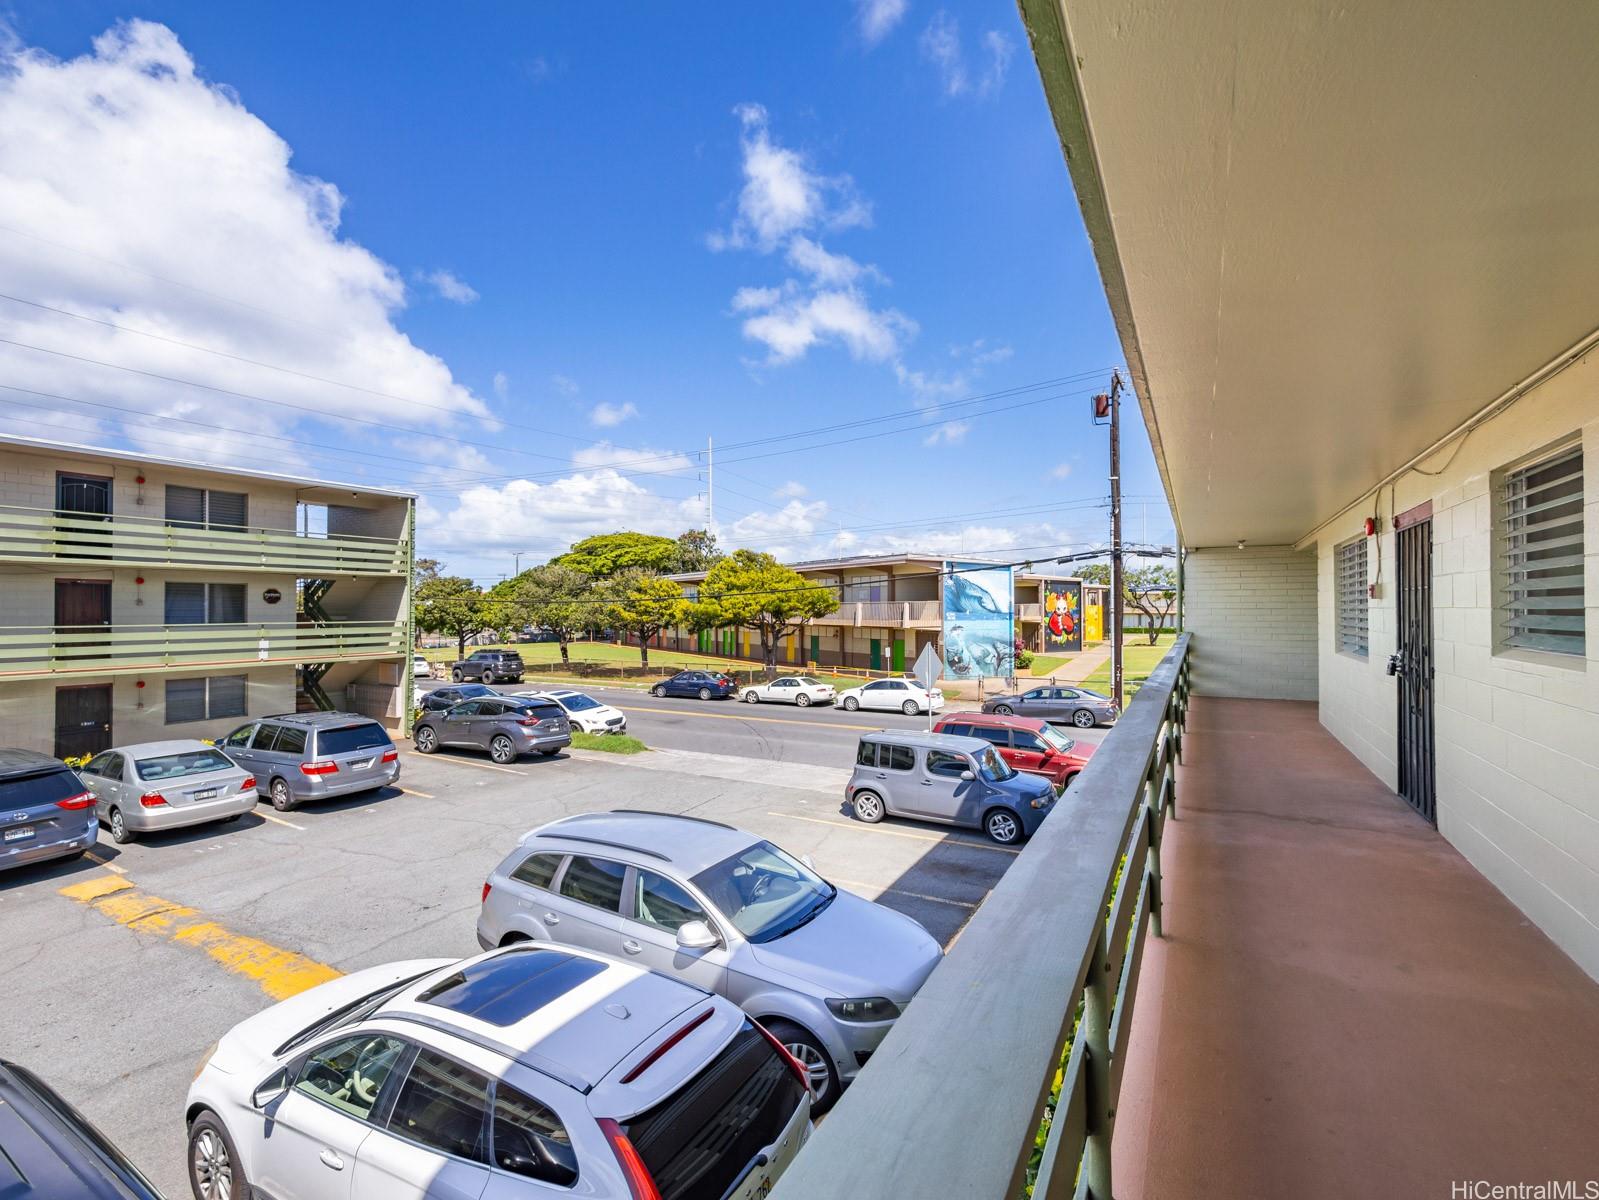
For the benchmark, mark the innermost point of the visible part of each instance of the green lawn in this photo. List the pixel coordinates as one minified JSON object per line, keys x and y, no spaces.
{"x":1138,"y":660}
{"x":611,"y":743}
{"x":1047,"y":664}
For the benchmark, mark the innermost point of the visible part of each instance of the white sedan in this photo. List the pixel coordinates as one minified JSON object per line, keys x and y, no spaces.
{"x":893,"y":694}
{"x":584,"y":711}
{"x":803,"y":690}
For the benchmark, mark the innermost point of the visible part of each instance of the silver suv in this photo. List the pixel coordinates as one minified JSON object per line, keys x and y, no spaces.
{"x":825,"y":970}
{"x":313,"y":756}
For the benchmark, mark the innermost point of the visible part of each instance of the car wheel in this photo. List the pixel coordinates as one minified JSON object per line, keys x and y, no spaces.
{"x":120,"y":833}
{"x":802,"y":700}
{"x":215,"y":1172}
{"x":868,"y":807}
{"x":910,"y":708}
{"x":705,"y":693}
{"x":1004,"y":710}
{"x":1068,"y":782}
{"x":1004,"y":826}
{"x":502,"y":750}
{"x":457,"y":676}
{"x":1083,"y":719}
{"x":658,"y":691}
{"x":752,"y":697}
{"x":851,"y":704}
{"x":813,"y":1056}
{"x":426,"y":740}
{"x":282,"y":798}
{"x":488,"y":678}
{"x":513,"y":938}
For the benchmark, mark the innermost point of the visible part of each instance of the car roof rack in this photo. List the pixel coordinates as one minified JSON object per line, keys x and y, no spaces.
{"x":650,"y":812}
{"x":594,"y":841}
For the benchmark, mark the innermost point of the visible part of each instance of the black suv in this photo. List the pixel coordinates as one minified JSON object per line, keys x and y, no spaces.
{"x":489,"y":666}
{"x":49,"y":1152}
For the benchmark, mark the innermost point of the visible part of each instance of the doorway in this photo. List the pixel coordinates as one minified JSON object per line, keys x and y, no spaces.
{"x":80,"y":501}
{"x":83,"y":720}
{"x":82,"y":607}
{"x":1413,"y":663}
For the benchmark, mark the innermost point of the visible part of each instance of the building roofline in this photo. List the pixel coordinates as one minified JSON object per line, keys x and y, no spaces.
{"x":45,"y":446}
{"x":868,"y":560}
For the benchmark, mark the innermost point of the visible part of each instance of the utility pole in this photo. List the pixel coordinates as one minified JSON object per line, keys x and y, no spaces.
{"x":1116,"y":568}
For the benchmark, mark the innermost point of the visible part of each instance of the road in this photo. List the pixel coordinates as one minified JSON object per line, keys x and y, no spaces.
{"x":820,"y":735}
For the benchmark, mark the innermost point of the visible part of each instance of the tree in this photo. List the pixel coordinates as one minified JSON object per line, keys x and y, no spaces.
{"x":1096,"y":573}
{"x":756,"y":591}
{"x":455,"y":606}
{"x":557,"y":598}
{"x":607,"y":554}
{"x":697,"y":551}
{"x":1151,"y":590}
{"x":643,"y":603}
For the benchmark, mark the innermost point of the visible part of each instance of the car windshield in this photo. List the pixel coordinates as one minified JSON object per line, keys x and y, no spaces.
{"x":1055,"y":739}
{"x":578,"y":702}
{"x":473,"y":690}
{"x":764,"y":892}
{"x":349,"y":738}
{"x":992,"y":765}
{"x":176,"y":766}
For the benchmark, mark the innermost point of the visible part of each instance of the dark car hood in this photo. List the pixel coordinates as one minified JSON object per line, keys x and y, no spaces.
{"x":855,"y":948}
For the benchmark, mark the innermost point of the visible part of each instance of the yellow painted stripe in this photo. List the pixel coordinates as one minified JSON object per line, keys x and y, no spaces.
{"x":280,"y":973}
{"x":709,"y":716}
{"x":108,"y":865}
{"x":409,"y":792}
{"x":883,"y":891}
{"x":266,"y":816}
{"x":862,"y":827}
{"x":468,"y":762}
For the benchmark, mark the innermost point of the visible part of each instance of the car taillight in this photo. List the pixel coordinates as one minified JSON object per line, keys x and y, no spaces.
{"x":319,"y":768}
{"x":390,"y":755}
{"x":152,"y":800}
{"x":655,"y":1054}
{"x":639,"y":1184}
{"x":487,"y":888}
{"x":794,"y":1064}
{"x":526,"y":722}
{"x":81,"y":800}
{"x":249,"y":782}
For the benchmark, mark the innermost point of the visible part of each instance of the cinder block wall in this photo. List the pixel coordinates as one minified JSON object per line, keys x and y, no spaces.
{"x":1253,"y":616}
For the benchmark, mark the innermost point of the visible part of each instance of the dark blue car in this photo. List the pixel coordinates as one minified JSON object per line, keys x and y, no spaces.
{"x":49,"y":1152}
{"x":45,"y":811}
{"x":707,"y":685}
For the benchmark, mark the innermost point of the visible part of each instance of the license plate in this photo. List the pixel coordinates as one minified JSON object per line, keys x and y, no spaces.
{"x":361,"y":765}
{"x":762,"y":1189}
{"x":20,"y":834}
{"x":204,"y":794}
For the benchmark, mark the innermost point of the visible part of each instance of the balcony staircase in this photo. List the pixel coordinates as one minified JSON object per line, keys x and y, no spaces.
{"x":310,"y":696}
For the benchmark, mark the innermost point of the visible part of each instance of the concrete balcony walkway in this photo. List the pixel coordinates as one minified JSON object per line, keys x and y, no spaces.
{"x":1341,"y":1006}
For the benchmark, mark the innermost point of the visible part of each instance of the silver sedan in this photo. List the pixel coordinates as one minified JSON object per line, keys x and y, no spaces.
{"x":166,"y":785}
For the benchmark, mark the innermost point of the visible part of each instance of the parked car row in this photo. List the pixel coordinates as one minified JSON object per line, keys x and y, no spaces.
{"x":887,"y":695}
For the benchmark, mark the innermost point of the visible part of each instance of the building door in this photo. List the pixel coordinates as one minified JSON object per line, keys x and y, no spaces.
{"x":1412,"y":665}
{"x":80,"y":499}
{"x":83,"y":607}
{"x":83,"y":720}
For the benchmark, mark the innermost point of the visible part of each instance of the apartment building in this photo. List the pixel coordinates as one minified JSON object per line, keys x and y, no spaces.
{"x":890,"y":607}
{"x":144,"y":598}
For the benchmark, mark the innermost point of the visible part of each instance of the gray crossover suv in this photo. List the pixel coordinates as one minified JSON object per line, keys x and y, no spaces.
{"x":825,"y":970}
{"x":313,"y":756}
{"x":505,"y":726}
{"x":1059,"y":704}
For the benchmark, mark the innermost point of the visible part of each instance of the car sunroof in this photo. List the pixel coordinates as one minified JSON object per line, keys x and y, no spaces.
{"x":511,"y":987}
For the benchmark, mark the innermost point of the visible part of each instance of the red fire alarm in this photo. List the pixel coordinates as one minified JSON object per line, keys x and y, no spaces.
{"x":139,"y":579}
{"x":138,"y":479}
{"x":1371,"y":526}
{"x":140,"y":684}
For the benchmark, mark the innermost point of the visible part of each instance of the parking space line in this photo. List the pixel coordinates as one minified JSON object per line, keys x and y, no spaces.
{"x":710,"y":716}
{"x":467,"y":762}
{"x":883,"y":891}
{"x":862,"y":827}
{"x":279,"y":973}
{"x":409,"y":792}
{"x":109,"y":866}
{"x":266,"y":816}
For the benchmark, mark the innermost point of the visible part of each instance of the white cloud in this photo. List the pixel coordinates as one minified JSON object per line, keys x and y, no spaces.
{"x":794,"y":324}
{"x":564,"y":384}
{"x":792,"y":490}
{"x":941,"y":45}
{"x":782,"y":529}
{"x":980,"y":353}
{"x":1061,"y":471}
{"x":877,"y":18}
{"x":827,"y":268}
{"x":950,"y":433}
{"x":632,"y":458}
{"x":607,"y":415}
{"x":502,"y":384}
{"x":149,"y":197}
{"x":449,"y":286}
{"x":929,"y":387}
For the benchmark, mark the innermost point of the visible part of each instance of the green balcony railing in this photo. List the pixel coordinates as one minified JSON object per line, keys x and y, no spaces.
{"x":28,"y":652}
{"x":46,"y":536}
{"x":1002,"y":1076}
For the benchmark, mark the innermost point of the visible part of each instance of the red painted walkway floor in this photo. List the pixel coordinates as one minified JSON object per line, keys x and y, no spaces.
{"x":1342,"y":1006}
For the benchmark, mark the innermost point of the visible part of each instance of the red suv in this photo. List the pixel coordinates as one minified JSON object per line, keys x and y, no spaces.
{"x":1027,"y":743}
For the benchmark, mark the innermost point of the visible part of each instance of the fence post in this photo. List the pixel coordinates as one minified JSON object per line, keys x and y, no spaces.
{"x":1095,"y":1032}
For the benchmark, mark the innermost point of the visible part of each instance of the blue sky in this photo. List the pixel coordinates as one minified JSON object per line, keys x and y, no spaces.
{"x":710,"y":221}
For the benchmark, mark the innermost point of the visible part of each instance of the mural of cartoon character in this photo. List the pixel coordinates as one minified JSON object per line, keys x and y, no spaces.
{"x":1062,"y":616}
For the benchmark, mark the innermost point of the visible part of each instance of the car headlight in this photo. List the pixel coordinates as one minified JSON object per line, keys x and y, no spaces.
{"x":869,"y":1008}
{"x":1045,"y":800}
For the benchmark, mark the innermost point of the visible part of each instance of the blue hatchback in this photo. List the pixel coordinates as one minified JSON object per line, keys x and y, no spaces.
{"x":45,"y":811}
{"x":707,"y":685}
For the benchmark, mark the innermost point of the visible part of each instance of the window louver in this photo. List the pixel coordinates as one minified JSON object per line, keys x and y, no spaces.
{"x":1352,"y":598}
{"x":1540,"y":554}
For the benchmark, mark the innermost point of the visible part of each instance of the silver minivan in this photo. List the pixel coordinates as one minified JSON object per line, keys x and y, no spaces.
{"x":313,"y":756}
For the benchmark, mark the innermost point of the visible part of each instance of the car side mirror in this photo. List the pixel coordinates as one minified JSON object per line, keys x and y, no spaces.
{"x":696,"y":935}
{"x":967,"y":776}
{"x":273,"y":1089}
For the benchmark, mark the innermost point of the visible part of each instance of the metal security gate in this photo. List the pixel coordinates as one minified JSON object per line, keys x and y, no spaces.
{"x":1412,"y":665}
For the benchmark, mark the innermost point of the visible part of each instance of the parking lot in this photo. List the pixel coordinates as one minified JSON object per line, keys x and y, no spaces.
{"x":124,"y":967}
